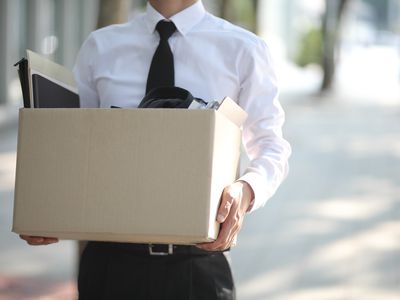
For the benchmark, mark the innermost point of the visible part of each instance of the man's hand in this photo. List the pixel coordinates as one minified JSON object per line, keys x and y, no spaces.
{"x":38,"y":240}
{"x":235,"y":202}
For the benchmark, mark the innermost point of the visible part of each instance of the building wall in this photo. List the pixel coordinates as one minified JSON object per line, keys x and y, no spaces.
{"x":53,"y":28}
{"x":9,"y":37}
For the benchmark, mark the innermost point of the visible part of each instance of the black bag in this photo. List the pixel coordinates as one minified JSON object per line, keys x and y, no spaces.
{"x":169,"y":97}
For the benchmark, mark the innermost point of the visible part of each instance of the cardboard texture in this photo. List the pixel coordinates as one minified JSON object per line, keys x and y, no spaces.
{"x":125,"y":175}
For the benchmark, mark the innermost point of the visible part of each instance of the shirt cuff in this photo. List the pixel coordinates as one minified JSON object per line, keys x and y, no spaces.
{"x":257,"y":183}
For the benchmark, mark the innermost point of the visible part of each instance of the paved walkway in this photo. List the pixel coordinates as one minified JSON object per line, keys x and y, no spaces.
{"x":331,"y":232}
{"x":333,"y":229}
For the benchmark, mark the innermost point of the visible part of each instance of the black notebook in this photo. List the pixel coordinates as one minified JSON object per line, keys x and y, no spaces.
{"x":46,"y":84}
{"x":48,"y":94}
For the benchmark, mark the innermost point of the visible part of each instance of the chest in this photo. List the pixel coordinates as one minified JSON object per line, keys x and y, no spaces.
{"x":201,"y":66}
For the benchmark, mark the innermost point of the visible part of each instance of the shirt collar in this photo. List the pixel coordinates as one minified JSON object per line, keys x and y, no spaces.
{"x":183,"y":20}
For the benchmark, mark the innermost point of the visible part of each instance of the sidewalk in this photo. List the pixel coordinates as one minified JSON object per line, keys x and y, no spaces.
{"x":8,"y":116}
{"x":332,"y":231}
{"x":30,"y":289}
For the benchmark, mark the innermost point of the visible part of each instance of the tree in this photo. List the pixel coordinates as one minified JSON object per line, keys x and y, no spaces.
{"x":254,"y":25}
{"x":226,"y":10}
{"x":331,"y":30}
{"x":113,"y":12}
{"x":240,"y":12}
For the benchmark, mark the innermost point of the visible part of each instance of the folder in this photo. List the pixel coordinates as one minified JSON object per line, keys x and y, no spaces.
{"x":24,"y":80}
{"x":46,"y":84}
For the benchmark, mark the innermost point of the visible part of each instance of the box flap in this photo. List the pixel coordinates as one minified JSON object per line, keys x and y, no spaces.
{"x":232,"y":111}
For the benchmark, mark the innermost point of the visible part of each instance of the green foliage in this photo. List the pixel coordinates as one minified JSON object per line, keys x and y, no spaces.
{"x":245,"y":14}
{"x":310,"y":48}
{"x":242,"y":13}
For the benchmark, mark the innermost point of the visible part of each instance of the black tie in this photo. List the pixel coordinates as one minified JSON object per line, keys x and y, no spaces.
{"x":161,"y":73}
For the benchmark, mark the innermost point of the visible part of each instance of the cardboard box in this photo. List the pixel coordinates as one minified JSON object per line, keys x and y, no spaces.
{"x":128,"y":175}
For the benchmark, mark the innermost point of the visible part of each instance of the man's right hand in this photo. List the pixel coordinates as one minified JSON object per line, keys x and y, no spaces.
{"x":38,"y":240}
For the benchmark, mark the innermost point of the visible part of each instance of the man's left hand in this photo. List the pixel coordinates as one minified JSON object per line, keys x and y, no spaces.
{"x":235,"y":202}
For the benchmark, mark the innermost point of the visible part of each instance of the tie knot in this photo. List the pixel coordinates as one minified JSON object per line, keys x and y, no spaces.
{"x":165,"y":29}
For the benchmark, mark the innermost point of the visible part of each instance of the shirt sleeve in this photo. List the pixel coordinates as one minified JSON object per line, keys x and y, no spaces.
{"x":262,"y":138}
{"x":84,"y":76}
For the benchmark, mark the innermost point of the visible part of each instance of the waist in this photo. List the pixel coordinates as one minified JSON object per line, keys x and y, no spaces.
{"x":153,"y":249}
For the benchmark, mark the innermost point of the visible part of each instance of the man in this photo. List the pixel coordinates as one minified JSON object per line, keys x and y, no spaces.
{"x":212,"y":59}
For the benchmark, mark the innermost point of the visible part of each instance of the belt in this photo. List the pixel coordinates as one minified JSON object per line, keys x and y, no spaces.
{"x":155,"y":249}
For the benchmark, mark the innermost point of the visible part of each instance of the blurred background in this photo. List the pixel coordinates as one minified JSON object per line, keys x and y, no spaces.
{"x":332,"y":231}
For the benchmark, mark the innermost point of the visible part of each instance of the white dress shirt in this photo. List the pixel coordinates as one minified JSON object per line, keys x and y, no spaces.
{"x":213,"y":59}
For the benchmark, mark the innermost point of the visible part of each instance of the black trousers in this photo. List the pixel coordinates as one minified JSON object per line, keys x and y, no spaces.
{"x":108,"y":271}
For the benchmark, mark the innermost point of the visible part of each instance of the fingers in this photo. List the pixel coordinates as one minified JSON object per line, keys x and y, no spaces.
{"x":223,"y":241}
{"x":230,"y":196}
{"x":38,"y":240}
{"x":230,"y":215}
{"x":227,"y":233}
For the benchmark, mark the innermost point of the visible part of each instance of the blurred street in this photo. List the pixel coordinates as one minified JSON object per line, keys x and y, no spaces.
{"x":333,"y":229}
{"x":331,"y":232}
